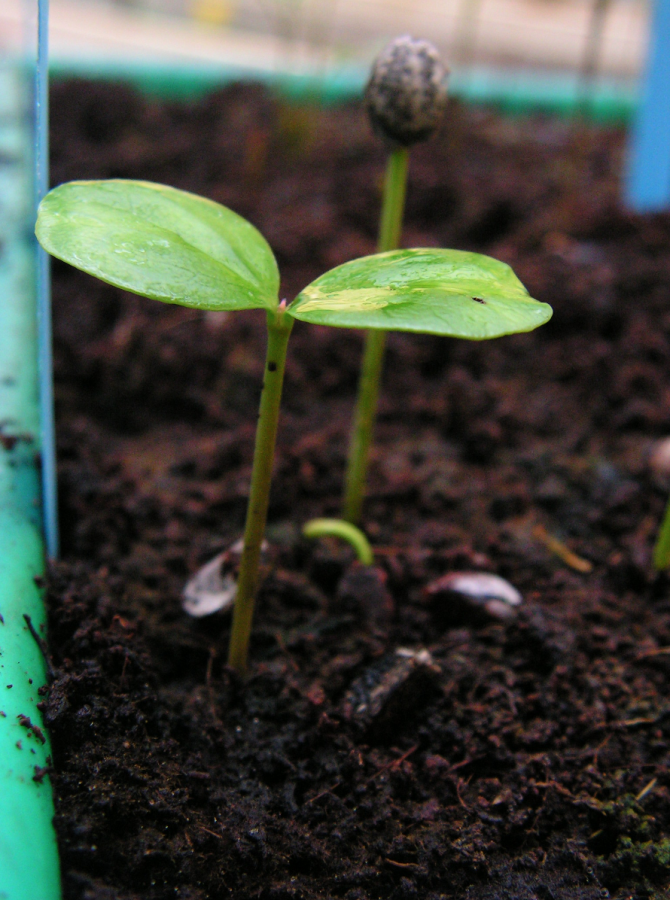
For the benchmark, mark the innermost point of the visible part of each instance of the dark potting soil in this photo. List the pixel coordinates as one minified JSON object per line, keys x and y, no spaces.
{"x":529,"y":759}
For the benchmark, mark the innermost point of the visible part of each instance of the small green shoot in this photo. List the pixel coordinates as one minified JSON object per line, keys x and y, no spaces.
{"x":172,"y":246}
{"x":317,"y":528}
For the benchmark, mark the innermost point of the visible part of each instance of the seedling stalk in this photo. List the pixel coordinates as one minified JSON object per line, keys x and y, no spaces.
{"x":279,"y":331}
{"x":390,"y":228}
{"x":662,"y":548}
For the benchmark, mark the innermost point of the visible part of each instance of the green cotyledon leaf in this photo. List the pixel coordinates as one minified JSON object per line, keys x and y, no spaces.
{"x":446,"y":292}
{"x":160,"y":242}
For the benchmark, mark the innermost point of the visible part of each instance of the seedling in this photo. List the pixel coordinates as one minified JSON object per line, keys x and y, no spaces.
{"x":405,"y":99}
{"x":317,"y":528}
{"x":175,"y":247}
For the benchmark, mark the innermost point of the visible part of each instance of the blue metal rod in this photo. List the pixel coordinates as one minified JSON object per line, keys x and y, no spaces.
{"x":44,"y":339}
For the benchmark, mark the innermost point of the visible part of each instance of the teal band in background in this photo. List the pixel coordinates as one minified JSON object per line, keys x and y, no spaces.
{"x":510,"y":90}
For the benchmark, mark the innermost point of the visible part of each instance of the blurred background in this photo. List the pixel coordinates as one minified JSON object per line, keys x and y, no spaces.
{"x":603,"y":39}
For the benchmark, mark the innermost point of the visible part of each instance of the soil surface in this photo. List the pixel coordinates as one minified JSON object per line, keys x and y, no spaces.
{"x":527,"y":757}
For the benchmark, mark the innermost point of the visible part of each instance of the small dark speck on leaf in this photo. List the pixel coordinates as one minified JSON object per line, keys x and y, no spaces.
{"x":2,"y":621}
{"x":479,"y":300}
{"x":272,"y":367}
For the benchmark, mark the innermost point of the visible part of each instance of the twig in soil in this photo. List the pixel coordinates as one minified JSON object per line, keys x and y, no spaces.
{"x":400,"y":865}
{"x":389,"y":765}
{"x":559,"y":549}
{"x":647,"y":789}
{"x":122,"y":679}
{"x":457,"y":787}
{"x":558,"y":788}
{"x":322,"y":794}
{"x":659,"y":651}
{"x":633,"y":723}
{"x":464,"y":762}
{"x":42,"y":645}
{"x":392,"y":764}
{"x":209,"y":831}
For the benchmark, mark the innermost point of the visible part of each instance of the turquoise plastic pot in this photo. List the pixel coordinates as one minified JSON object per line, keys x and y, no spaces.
{"x":28,"y":854}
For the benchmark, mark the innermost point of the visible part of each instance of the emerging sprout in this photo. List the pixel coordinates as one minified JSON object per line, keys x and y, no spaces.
{"x":407,"y":91}
{"x":317,"y":528}
{"x":175,"y":247}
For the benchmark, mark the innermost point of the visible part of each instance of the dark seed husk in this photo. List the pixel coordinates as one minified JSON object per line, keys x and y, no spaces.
{"x":407,"y":91}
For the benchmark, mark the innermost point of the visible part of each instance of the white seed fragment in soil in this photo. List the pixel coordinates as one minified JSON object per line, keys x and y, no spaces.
{"x":474,"y":595}
{"x":214,"y":586}
{"x":390,"y":690}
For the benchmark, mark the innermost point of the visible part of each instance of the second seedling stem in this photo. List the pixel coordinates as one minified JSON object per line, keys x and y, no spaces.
{"x":390,"y":227}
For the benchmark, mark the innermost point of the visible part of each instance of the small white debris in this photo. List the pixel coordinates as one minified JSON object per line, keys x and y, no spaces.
{"x":420,"y":657}
{"x":479,"y":591}
{"x":214,"y":586}
{"x":209,"y":591}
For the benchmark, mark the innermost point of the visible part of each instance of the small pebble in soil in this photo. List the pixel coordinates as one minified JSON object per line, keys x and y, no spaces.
{"x":472,"y":598}
{"x":363,"y":591}
{"x":390,"y":690}
{"x":213,"y":587}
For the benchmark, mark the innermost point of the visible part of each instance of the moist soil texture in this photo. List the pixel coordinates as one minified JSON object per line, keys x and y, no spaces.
{"x":393,"y":739}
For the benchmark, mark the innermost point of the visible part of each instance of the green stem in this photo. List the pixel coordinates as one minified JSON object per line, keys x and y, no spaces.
{"x":393,"y":204}
{"x":662,"y":548}
{"x":279,"y":330}
{"x":337,"y":528}
{"x":390,"y":227}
